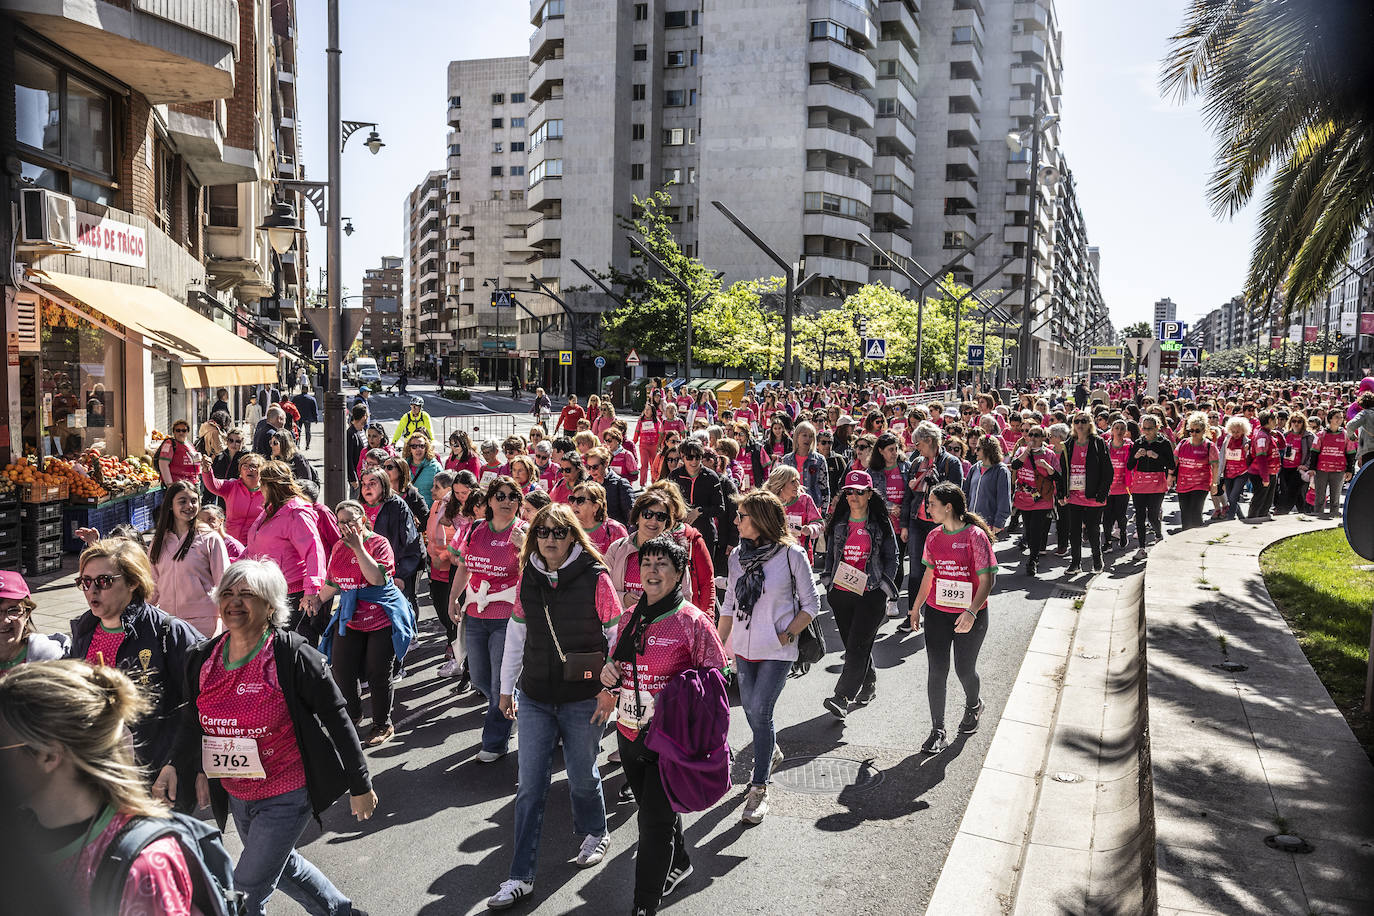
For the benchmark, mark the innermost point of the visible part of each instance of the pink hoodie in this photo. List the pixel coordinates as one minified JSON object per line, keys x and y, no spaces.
{"x":182,"y":587}
{"x":291,"y":539}
{"x":242,"y":506}
{"x":437,"y":537}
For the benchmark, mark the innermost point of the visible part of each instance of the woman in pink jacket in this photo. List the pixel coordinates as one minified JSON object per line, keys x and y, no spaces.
{"x":287,"y":533}
{"x":242,"y":497}
{"x":188,"y":559}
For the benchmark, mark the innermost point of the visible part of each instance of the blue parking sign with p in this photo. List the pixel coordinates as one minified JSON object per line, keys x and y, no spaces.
{"x":1171,"y":330}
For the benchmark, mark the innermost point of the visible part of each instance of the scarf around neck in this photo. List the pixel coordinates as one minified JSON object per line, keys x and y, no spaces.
{"x":749,"y":586}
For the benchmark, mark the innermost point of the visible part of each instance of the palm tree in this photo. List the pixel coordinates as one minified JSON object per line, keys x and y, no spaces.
{"x":1289,"y":92}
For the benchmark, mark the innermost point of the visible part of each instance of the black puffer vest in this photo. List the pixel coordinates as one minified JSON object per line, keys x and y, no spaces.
{"x":572,"y":608}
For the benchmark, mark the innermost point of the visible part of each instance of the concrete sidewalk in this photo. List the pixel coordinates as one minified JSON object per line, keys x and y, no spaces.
{"x":1245,"y":741}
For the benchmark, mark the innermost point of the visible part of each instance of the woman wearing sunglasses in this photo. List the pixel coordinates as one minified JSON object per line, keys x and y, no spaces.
{"x":659,"y":510}
{"x":623,"y":460}
{"x":556,"y":646}
{"x":668,"y":456}
{"x":588,"y":504}
{"x":398,"y":475}
{"x":486,"y":575}
{"x":225,"y":464}
{"x":242,"y":496}
{"x":1089,"y":474}
{"x":570,"y":474}
{"x":177,"y":459}
{"x":860,"y":575}
{"x":804,"y":520}
{"x":1035,"y":470}
{"x":422,"y":465}
{"x":121,"y":629}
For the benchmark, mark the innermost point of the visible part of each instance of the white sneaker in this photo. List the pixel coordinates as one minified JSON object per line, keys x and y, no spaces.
{"x":489,"y":757}
{"x":892,"y":608}
{"x":593,"y":850}
{"x":509,"y":892}
{"x":755,"y":805}
{"x":450,"y":668}
{"x":777,"y":756}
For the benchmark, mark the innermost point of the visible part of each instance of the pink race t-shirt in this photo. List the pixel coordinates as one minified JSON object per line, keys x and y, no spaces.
{"x":685,"y":638}
{"x":246,"y":701}
{"x":104,"y":645}
{"x":1236,"y":456}
{"x":492,"y":561}
{"x":345,"y":574}
{"x":858,"y":544}
{"x":1121,"y":477}
{"x":1078,"y":478}
{"x":1025,"y":498}
{"x":605,"y":534}
{"x":1195,"y":465}
{"x":957,"y":559}
{"x":1331,"y":450}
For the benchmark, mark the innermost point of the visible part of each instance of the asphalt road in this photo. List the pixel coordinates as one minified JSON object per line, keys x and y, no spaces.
{"x":441,"y":840}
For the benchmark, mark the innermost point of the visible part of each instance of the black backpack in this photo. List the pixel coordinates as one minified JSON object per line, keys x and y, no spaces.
{"x":212,"y":870}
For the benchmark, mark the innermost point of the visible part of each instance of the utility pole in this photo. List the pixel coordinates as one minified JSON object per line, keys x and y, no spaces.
{"x":1024,"y":357}
{"x":789,"y":299}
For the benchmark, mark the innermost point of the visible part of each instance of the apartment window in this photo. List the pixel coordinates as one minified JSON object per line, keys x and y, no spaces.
{"x":517,"y":98}
{"x":641,"y":52}
{"x":823,"y":29}
{"x":674,"y":98}
{"x":691,"y":174}
{"x":518,"y":194}
{"x":517,"y":170}
{"x":496,"y":171}
{"x":455,"y":101}
{"x":637,"y":92}
{"x":691,"y":214}
{"x":549,"y":168}
{"x":964,"y":35}
{"x":641,"y":12}
{"x":694,"y":58}
{"x":222,"y":201}
{"x":496,"y":194}
{"x":676,"y":59}
{"x":64,"y":128}
{"x":955,"y":239}
{"x":497,"y":148}
{"x":636,"y":131}
{"x":498,"y":98}
{"x":549,"y":130}
{"x":637,"y":171}
{"x":674,"y":214}
{"x":455,"y":149}
{"x":552,"y":10}
{"x":674,"y":136}
{"x":672,"y":176}
{"x":692,"y":133}
{"x":824,"y":202}
{"x":164,"y":183}
{"x":517,"y":147}
{"x":498,"y":123}
{"x":517,"y":122}
{"x":691,"y":96}
{"x":678,"y":19}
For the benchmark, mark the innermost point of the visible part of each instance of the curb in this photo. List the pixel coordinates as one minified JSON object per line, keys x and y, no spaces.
{"x":1028,"y":842}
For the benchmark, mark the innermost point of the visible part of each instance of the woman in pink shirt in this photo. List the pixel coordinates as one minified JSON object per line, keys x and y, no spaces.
{"x":242,"y":497}
{"x":588,"y":504}
{"x":1235,"y":456}
{"x":177,"y":460}
{"x":647,"y":433}
{"x":1119,"y":496}
{"x":1198,"y":460}
{"x":188,"y":559}
{"x":438,"y":533}
{"x":287,"y":533}
{"x":623,"y":460}
{"x":1036,"y":472}
{"x":1266,"y":459}
{"x":604,"y":420}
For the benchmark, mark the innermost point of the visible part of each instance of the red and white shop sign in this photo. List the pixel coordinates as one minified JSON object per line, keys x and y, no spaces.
{"x":110,"y":240}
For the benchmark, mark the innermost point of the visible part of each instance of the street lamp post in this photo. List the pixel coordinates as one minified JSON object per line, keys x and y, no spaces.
{"x":921,"y":285}
{"x":1037,"y":128}
{"x":691,"y":304}
{"x":789,"y":299}
{"x":958,"y":303}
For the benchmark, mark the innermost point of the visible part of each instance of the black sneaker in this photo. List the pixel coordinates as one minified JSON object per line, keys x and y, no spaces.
{"x":968,"y":725}
{"x":904,"y":625}
{"x":1031,"y":568}
{"x":627,"y":793}
{"x":869,"y":692}
{"x":1073,"y":568}
{"x":935,"y":743}
{"x":679,"y":874}
{"x":837,"y":706}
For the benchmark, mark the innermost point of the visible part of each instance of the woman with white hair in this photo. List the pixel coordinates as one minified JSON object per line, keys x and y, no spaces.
{"x":266,"y":734}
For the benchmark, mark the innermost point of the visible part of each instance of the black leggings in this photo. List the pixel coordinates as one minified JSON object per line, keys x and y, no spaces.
{"x":1084,"y":519}
{"x":359,"y":654}
{"x":1190,"y":506}
{"x":661,"y":843}
{"x":439,"y":595}
{"x":941,"y":642}
{"x":1263,"y":500}
{"x":307,"y":626}
{"x":1114,"y":516}
{"x":1037,"y":530}
{"x":1148,"y":508}
{"x":858,"y":617}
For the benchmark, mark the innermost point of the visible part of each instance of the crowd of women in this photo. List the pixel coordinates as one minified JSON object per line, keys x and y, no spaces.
{"x":581,"y":577}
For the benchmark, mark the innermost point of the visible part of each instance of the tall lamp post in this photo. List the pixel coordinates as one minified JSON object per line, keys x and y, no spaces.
{"x":789,"y":299}
{"x":921,"y":285}
{"x":691,"y":304}
{"x":1041,"y":122}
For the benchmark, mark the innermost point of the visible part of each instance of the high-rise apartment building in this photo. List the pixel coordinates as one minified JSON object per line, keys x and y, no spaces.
{"x":424,"y":318}
{"x":383,"y":290}
{"x":1165,"y":310}
{"x":813,"y":122}
{"x":487,"y":219}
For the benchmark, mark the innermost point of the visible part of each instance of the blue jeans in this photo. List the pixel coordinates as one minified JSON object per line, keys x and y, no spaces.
{"x":760,"y":685}
{"x":269,"y":829}
{"x":1235,"y":488}
{"x":486,"y":643}
{"x":541,"y":724}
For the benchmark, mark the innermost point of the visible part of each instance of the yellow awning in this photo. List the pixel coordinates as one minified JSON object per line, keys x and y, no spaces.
{"x":210,"y":356}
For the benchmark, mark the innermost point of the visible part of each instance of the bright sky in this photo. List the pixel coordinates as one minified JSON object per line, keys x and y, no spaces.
{"x":1141,"y":163}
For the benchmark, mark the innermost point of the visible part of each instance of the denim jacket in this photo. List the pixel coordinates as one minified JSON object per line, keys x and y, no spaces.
{"x":815,"y":478}
{"x":882,"y":559}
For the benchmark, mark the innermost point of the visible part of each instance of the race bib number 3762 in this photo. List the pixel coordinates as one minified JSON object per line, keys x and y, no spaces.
{"x":232,"y":758}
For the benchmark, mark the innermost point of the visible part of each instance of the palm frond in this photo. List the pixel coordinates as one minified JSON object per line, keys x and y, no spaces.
{"x":1207,"y":31}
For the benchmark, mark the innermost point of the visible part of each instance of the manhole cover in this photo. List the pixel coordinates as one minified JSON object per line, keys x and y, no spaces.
{"x":1068,"y":591}
{"x":828,"y":776}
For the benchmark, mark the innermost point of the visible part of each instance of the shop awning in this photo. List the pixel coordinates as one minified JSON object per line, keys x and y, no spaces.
{"x":211,"y":356}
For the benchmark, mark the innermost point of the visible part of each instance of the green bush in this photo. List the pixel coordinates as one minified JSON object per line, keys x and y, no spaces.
{"x":376,"y":386}
{"x":456,"y":394}
{"x":467,"y":377}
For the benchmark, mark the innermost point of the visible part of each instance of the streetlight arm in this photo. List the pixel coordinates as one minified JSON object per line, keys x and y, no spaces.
{"x":671,"y":274}
{"x":749,"y":233}
{"x":599,"y":282}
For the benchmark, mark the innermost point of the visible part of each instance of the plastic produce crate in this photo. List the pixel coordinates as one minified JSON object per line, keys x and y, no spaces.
{"x":40,"y":512}
{"x":10,"y":556}
{"x":41,"y":566}
{"x":43,"y":531}
{"x":101,"y":518}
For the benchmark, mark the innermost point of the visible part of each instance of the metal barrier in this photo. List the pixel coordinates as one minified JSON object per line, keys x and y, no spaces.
{"x":483,"y":426}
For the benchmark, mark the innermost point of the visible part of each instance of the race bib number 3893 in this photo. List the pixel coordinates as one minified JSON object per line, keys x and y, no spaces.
{"x":954,"y":593}
{"x":233,"y":758}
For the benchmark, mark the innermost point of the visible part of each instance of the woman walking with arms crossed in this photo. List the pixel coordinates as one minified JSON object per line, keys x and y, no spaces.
{"x":960,"y":570}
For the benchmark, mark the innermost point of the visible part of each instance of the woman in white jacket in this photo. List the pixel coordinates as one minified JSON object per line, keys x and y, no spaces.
{"x":769,"y":600}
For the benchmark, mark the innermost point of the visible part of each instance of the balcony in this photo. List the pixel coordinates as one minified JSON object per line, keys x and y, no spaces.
{"x":1024,"y":76}
{"x":839,"y":142}
{"x":1033,"y":16}
{"x":1021,"y":108}
{"x":962,"y":190}
{"x":852,"y":14}
{"x":892,"y":205}
{"x":891,"y":165}
{"x":965,"y":93}
{"x":544,"y":77}
{"x":1017,"y":203}
{"x":970,"y":18}
{"x":1032,"y":45}
{"x":963,"y":128}
{"x":543,"y":193}
{"x":896,"y":11}
{"x":168,"y":50}
{"x":897,"y":130}
{"x":840,"y":268}
{"x":544,"y":231}
{"x":961,"y":222}
{"x":1018,"y":171}
{"x":836,"y":98}
{"x":964,"y":158}
{"x":455,"y":115}
{"x":201,"y":142}
{"x":967,"y":57}
{"x":847,"y":59}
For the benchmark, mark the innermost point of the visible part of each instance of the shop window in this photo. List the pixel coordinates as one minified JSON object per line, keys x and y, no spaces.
{"x":71,"y":391}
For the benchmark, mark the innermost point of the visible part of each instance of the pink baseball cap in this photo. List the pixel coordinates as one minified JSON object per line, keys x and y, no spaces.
{"x":12,"y":585}
{"x":858,"y":480}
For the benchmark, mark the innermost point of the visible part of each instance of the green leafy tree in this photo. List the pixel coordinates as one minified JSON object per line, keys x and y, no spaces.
{"x":736,"y":329}
{"x":1287,"y":89}
{"x":655,"y":316}
{"x":1139,"y":329}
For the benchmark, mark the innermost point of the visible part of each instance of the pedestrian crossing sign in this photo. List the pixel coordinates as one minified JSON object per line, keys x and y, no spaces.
{"x":502,"y":299}
{"x":565,"y":357}
{"x":875,"y":347}
{"x":316,"y":349}
{"x":1188,"y":356}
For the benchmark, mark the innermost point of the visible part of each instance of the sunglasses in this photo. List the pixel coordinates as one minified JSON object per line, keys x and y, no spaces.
{"x":1081,"y":422}
{"x":558,"y":533}
{"x":671,"y":458}
{"x":581,"y":500}
{"x":655,"y":515}
{"x":566,"y":468}
{"x":1036,"y":436}
{"x":417,"y":445}
{"x":180,"y":429}
{"x":692,"y":458}
{"x":850,"y":491}
{"x":100,"y":583}
{"x":506,"y":496}
{"x":594,"y":467}
{"x":236,"y":441}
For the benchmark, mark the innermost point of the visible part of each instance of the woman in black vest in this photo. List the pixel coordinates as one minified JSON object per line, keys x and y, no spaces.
{"x":556,"y":646}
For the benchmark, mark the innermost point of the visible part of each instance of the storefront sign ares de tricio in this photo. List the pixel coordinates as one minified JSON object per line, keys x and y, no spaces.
{"x":105,"y":239}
